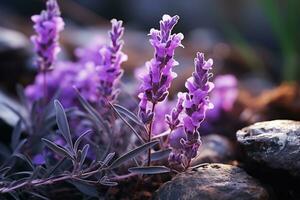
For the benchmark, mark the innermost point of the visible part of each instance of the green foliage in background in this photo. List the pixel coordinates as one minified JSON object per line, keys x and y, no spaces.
{"x":285,"y":20}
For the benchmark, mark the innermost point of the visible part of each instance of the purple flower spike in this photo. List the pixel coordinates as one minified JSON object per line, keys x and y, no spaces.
{"x":157,"y":81}
{"x":115,"y":35}
{"x":111,"y":58}
{"x":194,"y":104}
{"x":196,"y":101}
{"x":47,"y":27}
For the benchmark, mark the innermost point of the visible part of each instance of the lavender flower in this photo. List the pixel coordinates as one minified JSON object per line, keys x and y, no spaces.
{"x":197,"y":102}
{"x":111,"y":58}
{"x":195,"y":105}
{"x":47,"y":26}
{"x":158,"y":80}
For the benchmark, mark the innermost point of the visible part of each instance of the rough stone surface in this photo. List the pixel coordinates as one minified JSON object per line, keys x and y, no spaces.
{"x":212,"y":182}
{"x":273,"y":143}
{"x":214,"y":149}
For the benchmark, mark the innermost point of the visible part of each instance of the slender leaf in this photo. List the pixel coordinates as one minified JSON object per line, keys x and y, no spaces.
{"x":159,"y":155}
{"x":4,"y":171}
{"x":20,"y":145}
{"x":108,"y":158}
{"x":128,"y":114}
{"x":92,"y":112}
{"x":62,"y":122}
{"x":149,"y":170}
{"x":105,"y":181}
{"x":77,"y":142}
{"x":16,"y":134}
{"x":84,"y":153}
{"x":109,"y":183}
{"x":26,"y":173}
{"x":51,"y":118}
{"x":167,"y":132}
{"x":59,"y":150}
{"x":127,"y":123}
{"x":132,"y":154}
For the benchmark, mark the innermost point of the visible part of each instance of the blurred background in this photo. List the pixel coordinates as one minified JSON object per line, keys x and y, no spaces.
{"x":256,"y":41}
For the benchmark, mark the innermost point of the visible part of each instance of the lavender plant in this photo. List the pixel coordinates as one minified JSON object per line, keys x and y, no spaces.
{"x":157,"y":81}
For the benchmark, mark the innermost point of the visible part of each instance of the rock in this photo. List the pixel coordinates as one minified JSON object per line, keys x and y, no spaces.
{"x":275,"y":144}
{"x":214,"y":149}
{"x":212,"y":182}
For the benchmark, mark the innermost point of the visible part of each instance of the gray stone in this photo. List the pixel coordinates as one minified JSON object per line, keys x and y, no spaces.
{"x":273,"y":143}
{"x":212,"y":182}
